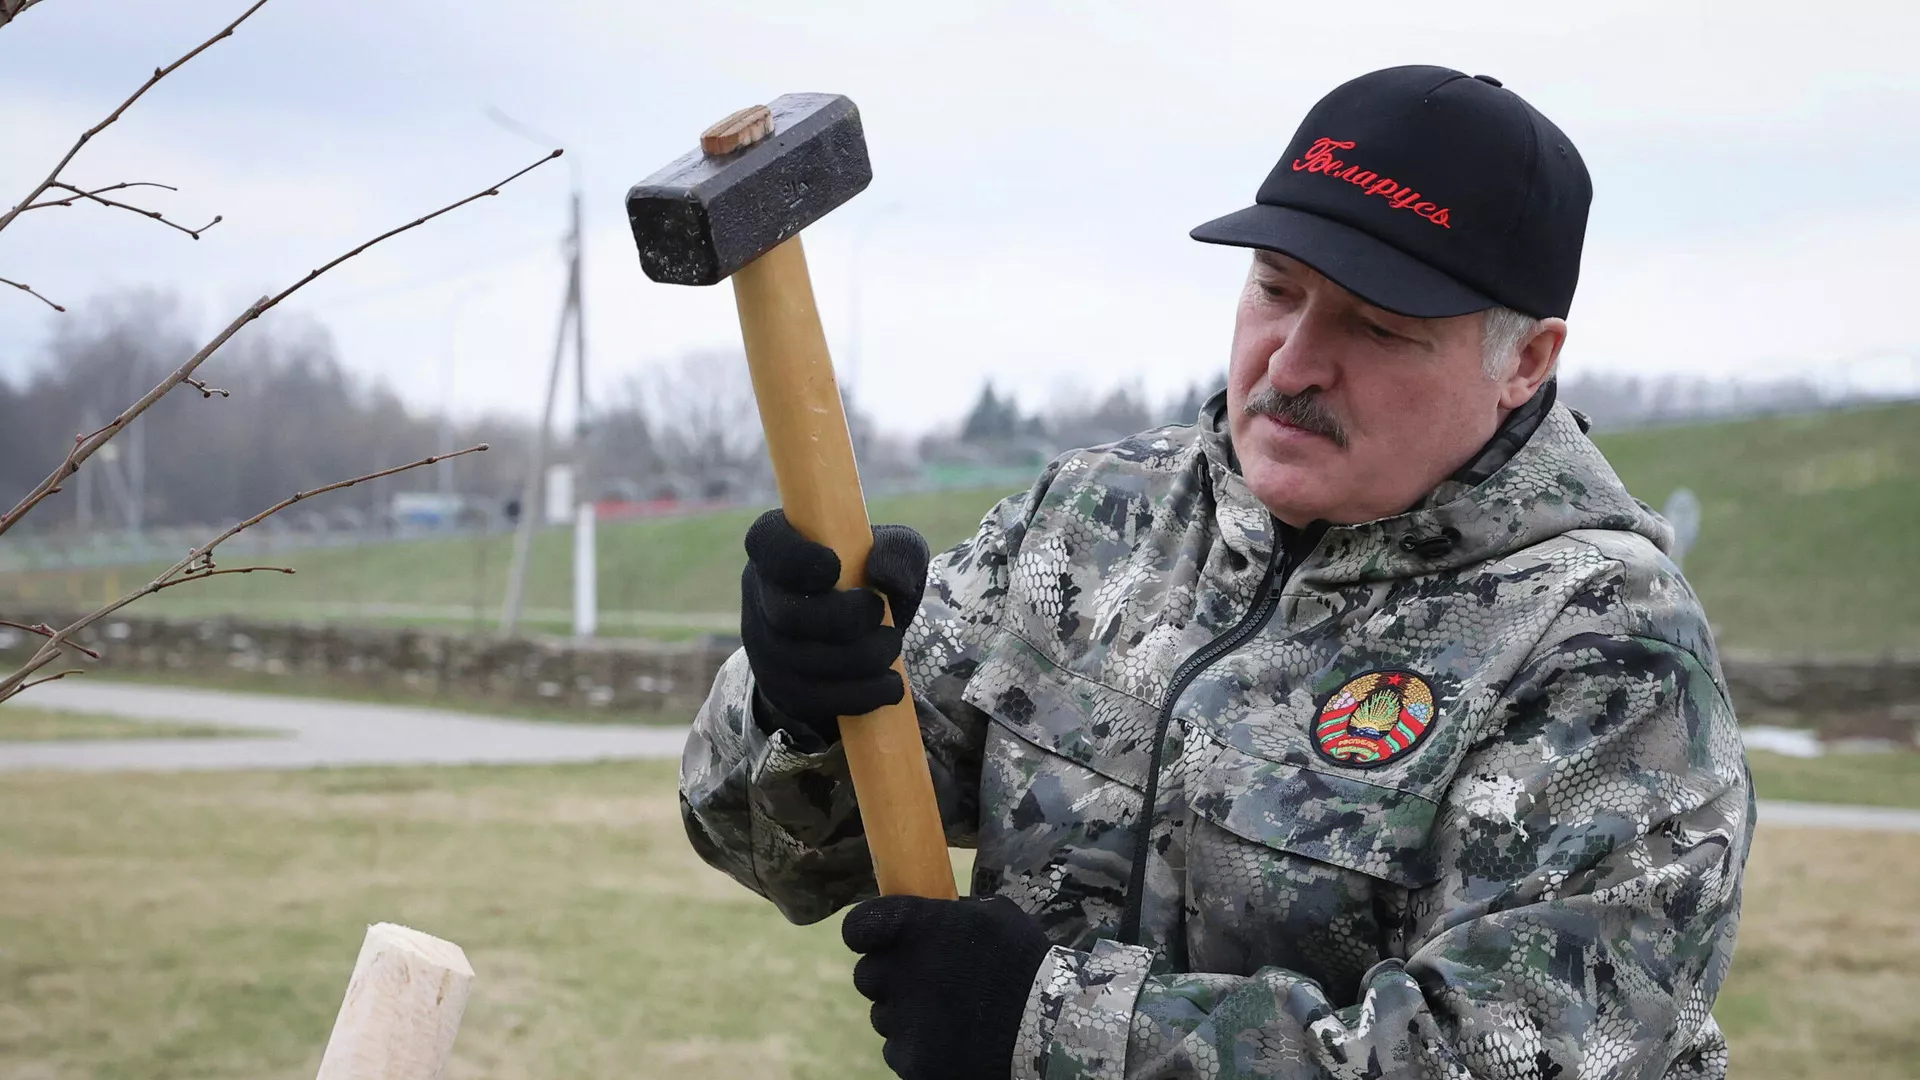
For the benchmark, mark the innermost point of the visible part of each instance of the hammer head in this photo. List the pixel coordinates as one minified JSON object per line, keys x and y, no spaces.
{"x":703,"y":217}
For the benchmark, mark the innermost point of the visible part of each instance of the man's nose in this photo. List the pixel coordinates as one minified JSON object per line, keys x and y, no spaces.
{"x":1304,"y":359}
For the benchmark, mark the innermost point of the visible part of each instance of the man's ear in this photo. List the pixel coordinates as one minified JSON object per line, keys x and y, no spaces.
{"x":1538,"y":356}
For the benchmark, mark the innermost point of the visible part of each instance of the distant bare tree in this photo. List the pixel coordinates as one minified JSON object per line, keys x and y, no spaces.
{"x":705,"y":423}
{"x":627,"y":461}
{"x":183,"y":464}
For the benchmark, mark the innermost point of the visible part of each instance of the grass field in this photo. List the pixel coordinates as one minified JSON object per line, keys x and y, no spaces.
{"x":1808,"y":544}
{"x":164,"y":928}
{"x":24,"y":723}
{"x":685,"y":564}
{"x":1891,"y":779}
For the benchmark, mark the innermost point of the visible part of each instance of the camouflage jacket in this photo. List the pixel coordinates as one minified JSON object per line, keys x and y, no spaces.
{"x":1456,"y":793}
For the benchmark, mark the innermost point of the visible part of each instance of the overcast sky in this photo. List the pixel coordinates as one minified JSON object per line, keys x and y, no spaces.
{"x":1036,"y":169}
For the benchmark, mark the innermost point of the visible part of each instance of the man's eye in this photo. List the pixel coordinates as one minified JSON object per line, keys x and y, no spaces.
{"x":1380,"y":333}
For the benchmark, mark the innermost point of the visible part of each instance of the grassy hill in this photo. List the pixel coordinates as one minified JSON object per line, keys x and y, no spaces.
{"x":1810,"y":541}
{"x":1810,"y":525}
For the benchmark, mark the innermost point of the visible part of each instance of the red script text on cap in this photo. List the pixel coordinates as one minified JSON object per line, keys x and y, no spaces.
{"x":1320,"y":159}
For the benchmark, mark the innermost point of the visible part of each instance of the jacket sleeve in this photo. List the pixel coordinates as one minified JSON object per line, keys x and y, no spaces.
{"x":780,"y":818}
{"x":1593,"y":848}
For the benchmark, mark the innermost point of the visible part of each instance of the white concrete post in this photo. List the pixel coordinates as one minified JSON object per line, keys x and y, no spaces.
{"x":586,"y":613}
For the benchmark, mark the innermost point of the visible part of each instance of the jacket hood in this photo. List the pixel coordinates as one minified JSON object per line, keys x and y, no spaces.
{"x":1556,"y":482}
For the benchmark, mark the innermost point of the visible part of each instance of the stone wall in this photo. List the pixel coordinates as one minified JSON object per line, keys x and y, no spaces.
{"x":612,"y":677}
{"x":1844,"y":697}
{"x":1850,"y":697}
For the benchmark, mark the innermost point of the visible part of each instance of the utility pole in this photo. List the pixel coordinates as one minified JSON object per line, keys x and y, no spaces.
{"x":523,"y":535}
{"x":572,"y":315}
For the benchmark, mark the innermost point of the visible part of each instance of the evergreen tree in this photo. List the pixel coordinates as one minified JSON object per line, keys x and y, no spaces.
{"x":991,"y":418}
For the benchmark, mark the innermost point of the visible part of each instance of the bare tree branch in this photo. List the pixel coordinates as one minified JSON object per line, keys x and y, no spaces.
{"x":85,"y":446}
{"x":207,"y":573}
{"x":8,"y":8}
{"x":11,"y":8}
{"x":27,"y":290}
{"x":85,"y":137}
{"x":431,"y":459}
{"x":46,"y":631}
{"x":55,"y":677}
{"x":78,"y":195}
{"x":197,"y":565}
{"x":494,"y":190}
{"x":95,"y":196}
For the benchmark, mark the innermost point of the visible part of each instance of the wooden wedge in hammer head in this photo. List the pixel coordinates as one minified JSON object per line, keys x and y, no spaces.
{"x":759,"y":177}
{"x":734,"y":208}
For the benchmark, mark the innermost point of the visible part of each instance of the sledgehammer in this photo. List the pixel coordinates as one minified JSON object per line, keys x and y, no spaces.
{"x":734,"y":208}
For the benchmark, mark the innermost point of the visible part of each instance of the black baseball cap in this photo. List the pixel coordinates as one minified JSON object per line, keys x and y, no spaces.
{"x":1428,"y":193}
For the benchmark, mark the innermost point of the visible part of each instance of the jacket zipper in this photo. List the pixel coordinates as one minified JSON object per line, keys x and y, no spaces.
{"x":1280,"y":567}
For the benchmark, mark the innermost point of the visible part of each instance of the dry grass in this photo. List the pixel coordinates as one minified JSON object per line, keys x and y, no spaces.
{"x":25,"y":723}
{"x":161,"y":927}
{"x":156,"y":927}
{"x":1826,"y":977}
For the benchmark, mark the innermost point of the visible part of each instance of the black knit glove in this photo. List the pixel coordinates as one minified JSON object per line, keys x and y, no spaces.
{"x":819,"y":653}
{"x":948,"y":979}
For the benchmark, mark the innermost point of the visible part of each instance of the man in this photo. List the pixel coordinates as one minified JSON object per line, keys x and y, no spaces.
{"x":1362,"y":729}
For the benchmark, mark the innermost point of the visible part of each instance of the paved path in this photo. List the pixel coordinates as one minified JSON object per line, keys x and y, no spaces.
{"x":318,"y":732}
{"x":1834,"y":816}
{"x":324,"y":732}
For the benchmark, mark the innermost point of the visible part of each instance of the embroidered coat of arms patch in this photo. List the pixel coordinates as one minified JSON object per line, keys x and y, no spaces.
{"x":1374,"y":719}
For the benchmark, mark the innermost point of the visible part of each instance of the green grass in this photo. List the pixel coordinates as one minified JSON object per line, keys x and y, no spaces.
{"x":25,"y":723}
{"x":1810,"y":526}
{"x":174,"y":927}
{"x":1890,"y":779}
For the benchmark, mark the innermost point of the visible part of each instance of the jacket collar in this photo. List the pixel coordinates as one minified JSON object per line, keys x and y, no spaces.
{"x":1539,"y":477}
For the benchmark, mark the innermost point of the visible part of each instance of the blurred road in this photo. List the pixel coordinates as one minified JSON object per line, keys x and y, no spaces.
{"x":316,"y":732}
{"x":319,"y":732}
{"x":1832,"y":816}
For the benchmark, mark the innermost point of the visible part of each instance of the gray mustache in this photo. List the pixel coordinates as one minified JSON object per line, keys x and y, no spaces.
{"x":1303,"y":411}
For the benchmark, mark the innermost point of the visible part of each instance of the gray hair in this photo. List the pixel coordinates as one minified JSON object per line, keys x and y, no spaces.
{"x":1504,"y":331}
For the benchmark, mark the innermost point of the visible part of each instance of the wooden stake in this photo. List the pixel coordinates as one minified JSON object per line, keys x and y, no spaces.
{"x":813,"y":465}
{"x":402,"y":1008}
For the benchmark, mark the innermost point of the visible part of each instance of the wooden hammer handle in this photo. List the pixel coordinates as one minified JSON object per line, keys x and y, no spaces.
{"x":812,"y":454}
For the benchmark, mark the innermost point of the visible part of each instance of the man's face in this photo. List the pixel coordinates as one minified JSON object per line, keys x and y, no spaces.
{"x":1343,"y":412}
